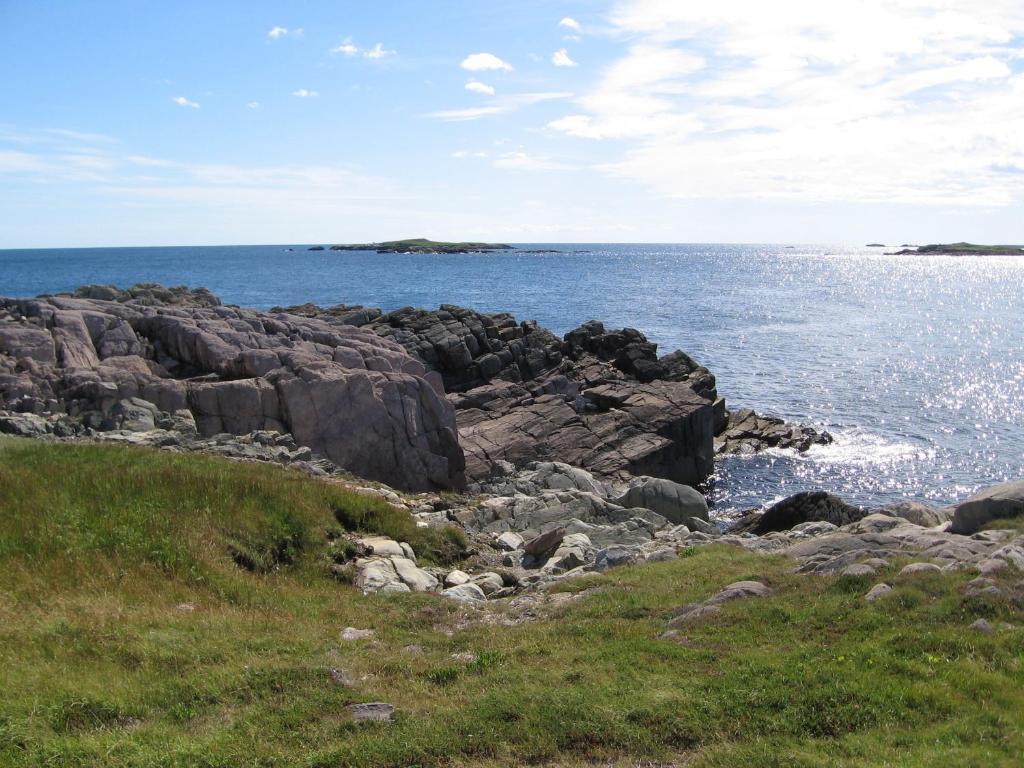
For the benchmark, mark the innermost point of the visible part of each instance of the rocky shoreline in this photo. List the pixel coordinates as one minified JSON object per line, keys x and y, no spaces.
{"x":556,"y":457}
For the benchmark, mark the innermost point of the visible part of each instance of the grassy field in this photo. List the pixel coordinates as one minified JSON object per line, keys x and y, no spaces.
{"x":165,"y":610}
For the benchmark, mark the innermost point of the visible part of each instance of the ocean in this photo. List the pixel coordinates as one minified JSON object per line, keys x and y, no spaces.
{"x":914,"y":363}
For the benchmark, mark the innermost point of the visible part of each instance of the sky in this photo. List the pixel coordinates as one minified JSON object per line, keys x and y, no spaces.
{"x":792,"y":121}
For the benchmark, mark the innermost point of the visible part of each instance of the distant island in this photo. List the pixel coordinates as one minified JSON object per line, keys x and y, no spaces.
{"x":964,"y":249}
{"x":422,"y":245}
{"x":875,"y":245}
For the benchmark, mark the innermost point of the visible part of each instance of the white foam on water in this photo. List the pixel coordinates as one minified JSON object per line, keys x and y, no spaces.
{"x":860,"y":448}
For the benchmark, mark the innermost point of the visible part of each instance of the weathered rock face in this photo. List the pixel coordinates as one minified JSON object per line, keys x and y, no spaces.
{"x":118,"y":359}
{"x":745,"y":432}
{"x":999,"y":501}
{"x":599,"y":400}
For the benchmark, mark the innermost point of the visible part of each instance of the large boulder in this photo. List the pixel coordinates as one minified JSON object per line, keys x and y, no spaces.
{"x":997,"y":502}
{"x":673,"y":501}
{"x":804,"y":507}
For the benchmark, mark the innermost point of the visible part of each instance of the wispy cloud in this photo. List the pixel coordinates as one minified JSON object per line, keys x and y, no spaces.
{"x":181,"y":101}
{"x":561,"y":58}
{"x":570,"y":23}
{"x":304,"y":93}
{"x":477,"y":87}
{"x":349,"y":48}
{"x":276,"y":33}
{"x":481,"y":62}
{"x":378,"y":52}
{"x":498,"y":105}
{"x":523,"y":161}
{"x":253,"y":105}
{"x":82,"y":136}
{"x":868,"y":102}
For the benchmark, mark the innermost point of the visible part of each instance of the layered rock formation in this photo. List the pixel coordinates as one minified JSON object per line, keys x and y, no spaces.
{"x":114,"y":359}
{"x":368,"y":390}
{"x":599,"y":399}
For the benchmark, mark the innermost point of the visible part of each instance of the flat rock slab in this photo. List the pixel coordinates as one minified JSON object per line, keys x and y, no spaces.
{"x":351,"y":633}
{"x":372,"y":711}
{"x":920,"y":568}
{"x":739,"y":590}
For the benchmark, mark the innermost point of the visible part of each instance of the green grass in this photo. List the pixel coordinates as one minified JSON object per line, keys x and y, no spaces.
{"x":102,"y":666}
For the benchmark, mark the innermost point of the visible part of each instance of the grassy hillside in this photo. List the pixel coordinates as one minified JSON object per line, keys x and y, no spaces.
{"x":134,"y":633}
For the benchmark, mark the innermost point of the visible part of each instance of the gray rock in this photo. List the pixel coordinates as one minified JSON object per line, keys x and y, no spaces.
{"x":877,"y":591}
{"x":807,"y":506}
{"x":456,"y":577}
{"x":981,"y":625}
{"x":465,"y":593}
{"x":858,"y":569}
{"x":913,"y":568}
{"x":351,"y":633}
{"x":509,"y":541}
{"x":613,"y":557}
{"x":545,"y":545}
{"x":489,"y":582}
{"x":916,"y":513}
{"x":739,"y":590}
{"x":675,"y":502}
{"x":1000,"y":501}
{"x":376,"y":711}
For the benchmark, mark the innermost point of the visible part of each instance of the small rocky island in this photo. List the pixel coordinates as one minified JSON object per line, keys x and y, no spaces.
{"x":962,"y":249}
{"x":423,"y":245}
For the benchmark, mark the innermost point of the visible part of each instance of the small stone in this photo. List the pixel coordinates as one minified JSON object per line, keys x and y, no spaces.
{"x":920,"y":568}
{"x":186,"y":607}
{"x":858,"y":569}
{"x":489,"y":582}
{"x":694,"y":612}
{"x":467,"y":657}
{"x":373,"y":711}
{"x":877,"y":591}
{"x":341,"y":677}
{"x":509,"y":541}
{"x":414,"y":650}
{"x":982,"y":626}
{"x":351,"y":633}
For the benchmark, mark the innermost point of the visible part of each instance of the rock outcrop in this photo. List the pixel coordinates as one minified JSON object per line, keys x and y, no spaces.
{"x":114,"y":359}
{"x":997,"y":502}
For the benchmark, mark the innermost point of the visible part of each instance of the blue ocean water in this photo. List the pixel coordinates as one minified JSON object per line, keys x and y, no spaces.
{"x":914,"y":363}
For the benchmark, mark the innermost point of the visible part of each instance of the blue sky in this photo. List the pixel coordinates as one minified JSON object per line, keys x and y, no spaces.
{"x":148,"y":123}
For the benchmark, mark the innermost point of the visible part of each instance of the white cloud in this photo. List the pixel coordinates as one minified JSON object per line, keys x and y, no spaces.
{"x":477,"y":87}
{"x":561,"y":58}
{"x":253,"y":105}
{"x":523,"y":161}
{"x":181,"y":101}
{"x":913,"y":102}
{"x":303,"y":93}
{"x":478,"y":62}
{"x":498,"y":105}
{"x":277,"y":32}
{"x":570,"y":23}
{"x":348,"y":48}
{"x":464,"y":153}
{"x":378,"y":52}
